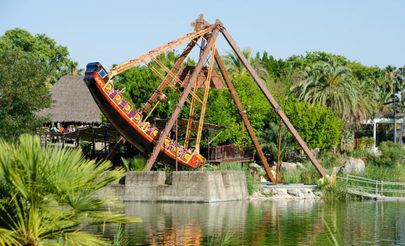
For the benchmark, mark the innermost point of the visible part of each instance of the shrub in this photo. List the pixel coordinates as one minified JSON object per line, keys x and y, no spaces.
{"x":135,"y":164}
{"x":391,"y":154}
{"x":50,"y":194}
{"x":366,"y":143}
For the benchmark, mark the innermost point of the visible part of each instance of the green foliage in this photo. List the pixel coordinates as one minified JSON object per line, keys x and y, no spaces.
{"x":23,"y":91}
{"x":318,"y":125}
{"x":311,"y":58}
{"x":329,"y":159}
{"x":292,"y":177}
{"x":135,"y":164}
{"x":346,"y":143}
{"x":222,"y":110}
{"x":329,"y":84}
{"x":307,"y":175}
{"x":337,"y":192}
{"x":269,"y":141}
{"x":391,"y":154}
{"x":275,"y":68}
{"x":50,"y":195}
{"x":54,"y":58}
{"x":119,"y":237}
{"x":85,"y":146}
{"x":366,"y":143}
{"x":383,"y":172}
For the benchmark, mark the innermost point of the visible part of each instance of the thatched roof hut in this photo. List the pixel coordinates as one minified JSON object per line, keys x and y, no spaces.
{"x":72,"y":102}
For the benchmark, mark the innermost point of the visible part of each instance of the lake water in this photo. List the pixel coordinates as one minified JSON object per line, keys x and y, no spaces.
{"x":304,"y":222}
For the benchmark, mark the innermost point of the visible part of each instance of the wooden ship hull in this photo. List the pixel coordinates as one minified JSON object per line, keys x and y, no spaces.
{"x":129,"y":122}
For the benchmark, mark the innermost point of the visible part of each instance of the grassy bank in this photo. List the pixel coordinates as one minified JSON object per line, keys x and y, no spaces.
{"x":386,"y":165}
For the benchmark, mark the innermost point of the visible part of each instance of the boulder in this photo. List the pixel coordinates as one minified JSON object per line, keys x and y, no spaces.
{"x":294,"y":192}
{"x":290,"y":166}
{"x":353,"y":165}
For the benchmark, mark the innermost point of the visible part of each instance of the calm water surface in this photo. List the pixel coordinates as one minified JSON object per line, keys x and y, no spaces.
{"x":267,"y":223}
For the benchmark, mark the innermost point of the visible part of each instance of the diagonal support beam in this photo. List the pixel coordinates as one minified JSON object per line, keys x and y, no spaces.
{"x":273,"y":102}
{"x":157,"y":148}
{"x":243,"y":115}
{"x":117,"y":147}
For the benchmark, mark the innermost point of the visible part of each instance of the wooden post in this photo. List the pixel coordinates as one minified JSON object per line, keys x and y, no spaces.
{"x":178,"y":107}
{"x":273,"y":102}
{"x":243,"y":128}
{"x":114,"y":151}
{"x":242,"y":113}
{"x":278,"y":154}
{"x":177,"y":150}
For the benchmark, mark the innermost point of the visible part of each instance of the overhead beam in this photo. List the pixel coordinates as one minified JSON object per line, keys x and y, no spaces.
{"x":242,"y":113}
{"x":157,"y":148}
{"x":273,"y":102}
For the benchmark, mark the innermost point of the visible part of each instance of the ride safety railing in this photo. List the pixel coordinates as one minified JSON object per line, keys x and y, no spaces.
{"x":371,"y":186}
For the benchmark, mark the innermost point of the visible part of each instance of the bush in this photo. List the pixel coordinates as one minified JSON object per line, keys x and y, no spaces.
{"x":309,"y":175}
{"x":51,"y":194}
{"x":135,"y":164}
{"x":366,"y":143}
{"x":391,"y":154}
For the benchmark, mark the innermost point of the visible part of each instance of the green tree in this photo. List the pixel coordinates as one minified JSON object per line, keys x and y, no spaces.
{"x":329,"y":84}
{"x":318,"y":126}
{"x":222,"y":110}
{"x":311,"y":58}
{"x":234,"y":66}
{"x":269,"y":141}
{"x":49,"y":195}
{"x":275,"y":68}
{"x":55,"y":58}
{"x":23,"y":91}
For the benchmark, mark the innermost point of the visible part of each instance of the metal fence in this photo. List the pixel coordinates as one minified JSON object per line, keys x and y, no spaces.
{"x":231,"y":152}
{"x":372,"y":186}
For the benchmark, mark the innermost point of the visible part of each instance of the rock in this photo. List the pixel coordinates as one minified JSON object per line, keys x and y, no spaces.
{"x":294,"y":192}
{"x":290,"y":166}
{"x":353,"y":165}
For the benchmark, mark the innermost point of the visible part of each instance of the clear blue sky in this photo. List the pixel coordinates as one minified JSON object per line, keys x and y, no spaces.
{"x":370,"y":32}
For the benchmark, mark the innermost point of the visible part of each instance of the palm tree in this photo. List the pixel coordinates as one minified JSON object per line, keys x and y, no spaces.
{"x":327,"y":83}
{"x":366,"y":103}
{"x":48,"y":195}
{"x":234,"y":66}
{"x":269,"y":139}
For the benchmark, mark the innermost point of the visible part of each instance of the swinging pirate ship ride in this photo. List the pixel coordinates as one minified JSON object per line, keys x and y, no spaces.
{"x":132,"y":123}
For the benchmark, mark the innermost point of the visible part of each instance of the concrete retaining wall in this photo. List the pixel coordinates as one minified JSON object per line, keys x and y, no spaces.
{"x":194,"y":186}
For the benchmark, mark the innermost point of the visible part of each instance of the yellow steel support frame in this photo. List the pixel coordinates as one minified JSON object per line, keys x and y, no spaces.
{"x":174,"y":76}
{"x":160,"y":50}
{"x":204,"y":104}
{"x":163,"y":77}
{"x":191,"y":116}
{"x":167,"y":80}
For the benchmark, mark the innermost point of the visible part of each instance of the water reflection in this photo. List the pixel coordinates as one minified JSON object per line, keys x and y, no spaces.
{"x":303,"y":222}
